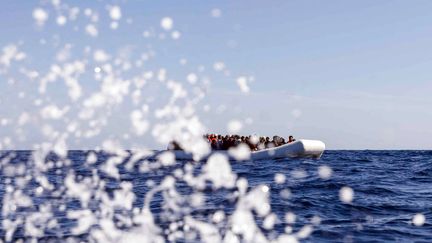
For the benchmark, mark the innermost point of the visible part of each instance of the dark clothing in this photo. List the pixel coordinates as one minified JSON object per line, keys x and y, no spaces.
{"x":174,"y":146}
{"x":278,"y":141}
{"x":214,"y":145}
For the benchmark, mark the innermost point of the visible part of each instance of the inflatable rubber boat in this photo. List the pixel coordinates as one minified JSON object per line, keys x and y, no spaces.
{"x":299,"y":149}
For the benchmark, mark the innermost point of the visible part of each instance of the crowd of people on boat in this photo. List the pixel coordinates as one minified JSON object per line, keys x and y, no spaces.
{"x":225,"y":142}
{"x":220,"y":142}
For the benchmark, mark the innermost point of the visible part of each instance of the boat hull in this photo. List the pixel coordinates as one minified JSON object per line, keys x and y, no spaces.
{"x":299,"y":149}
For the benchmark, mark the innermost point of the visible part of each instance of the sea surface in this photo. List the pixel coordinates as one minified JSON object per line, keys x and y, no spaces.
{"x":390,"y":187}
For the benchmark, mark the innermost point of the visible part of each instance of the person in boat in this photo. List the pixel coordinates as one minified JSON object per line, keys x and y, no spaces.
{"x":268,"y":143}
{"x":291,"y":139}
{"x":174,"y":146}
{"x":214,"y":142}
{"x":219,"y":142}
{"x":214,"y":145}
{"x":233,"y":142}
{"x":225,"y":142}
{"x":249,"y":143}
{"x":261,"y":143}
{"x":278,"y":141}
{"x":238,"y":141}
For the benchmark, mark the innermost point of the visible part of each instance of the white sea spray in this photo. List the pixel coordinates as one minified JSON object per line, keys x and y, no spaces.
{"x":166,"y":158}
{"x":167,"y":23}
{"x":242,"y":82}
{"x":219,"y":66}
{"x":346,"y":194}
{"x":290,"y":217}
{"x":240,"y":152}
{"x":40,"y":15}
{"x":92,"y":30}
{"x":325,"y":172}
{"x":115,"y":12}
{"x":96,"y":197}
{"x":218,"y":171}
{"x":419,"y":219}
{"x":192,"y":78}
{"x":279,"y":178}
{"x":61,"y":20}
{"x":234,"y":126}
{"x":176,"y":35}
{"x":216,"y":13}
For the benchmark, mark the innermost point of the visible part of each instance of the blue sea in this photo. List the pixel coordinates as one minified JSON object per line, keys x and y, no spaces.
{"x":390,"y":187}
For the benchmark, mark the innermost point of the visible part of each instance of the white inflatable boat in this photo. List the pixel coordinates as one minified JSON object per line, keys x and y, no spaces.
{"x":299,"y":149}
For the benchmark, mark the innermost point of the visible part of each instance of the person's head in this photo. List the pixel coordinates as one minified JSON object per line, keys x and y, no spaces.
{"x":290,"y":138}
{"x":219,"y":136}
{"x":267,"y":139}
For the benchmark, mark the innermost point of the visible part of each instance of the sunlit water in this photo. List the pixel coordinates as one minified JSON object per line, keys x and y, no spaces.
{"x":390,"y":187}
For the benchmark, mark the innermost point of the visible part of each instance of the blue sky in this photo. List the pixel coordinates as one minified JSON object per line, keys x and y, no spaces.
{"x":354,"y":74}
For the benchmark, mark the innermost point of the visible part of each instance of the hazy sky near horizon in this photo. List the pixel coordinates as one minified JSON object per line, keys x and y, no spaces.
{"x":354,"y":74}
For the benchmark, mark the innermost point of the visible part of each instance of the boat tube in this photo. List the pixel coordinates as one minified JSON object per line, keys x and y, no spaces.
{"x":299,"y":149}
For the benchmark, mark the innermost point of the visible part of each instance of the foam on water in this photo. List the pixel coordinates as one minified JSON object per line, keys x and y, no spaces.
{"x":96,"y":195}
